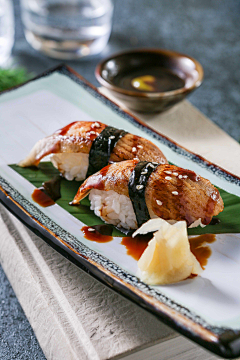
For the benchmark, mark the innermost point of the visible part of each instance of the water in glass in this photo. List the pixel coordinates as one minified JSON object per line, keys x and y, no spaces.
{"x":6,"y":30}
{"x":67,"y":29}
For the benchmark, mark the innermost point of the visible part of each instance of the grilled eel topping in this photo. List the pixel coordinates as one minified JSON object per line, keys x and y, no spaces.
{"x":82,"y":137}
{"x":170,"y":192}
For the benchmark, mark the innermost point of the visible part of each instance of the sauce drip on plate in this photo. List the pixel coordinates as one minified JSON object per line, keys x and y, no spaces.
{"x":90,"y":233}
{"x":41,"y":198}
{"x":48,"y":193}
{"x":200,"y":249}
{"x":198,"y":245}
{"x":136,"y":246}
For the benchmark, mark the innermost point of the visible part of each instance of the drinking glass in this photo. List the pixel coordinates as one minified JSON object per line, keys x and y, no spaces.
{"x":67,"y":29}
{"x":6,"y":30}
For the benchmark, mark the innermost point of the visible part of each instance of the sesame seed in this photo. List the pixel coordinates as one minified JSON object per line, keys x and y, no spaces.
{"x":162,"y":161}
{"x":159,"y":202}
{"x":92,"y":132}
{"x":96,"y":124}
{"x":180,"y":176}
{"x":197,"y":178}
{"x":168,"y":178}
{"x":214,"y":196}
{"x":151,"y":165}
{"x":174,"y":192}
{"x":168,"y":172}
{"x":112,"y":137}
{"x":91,"y":229}
{"x":140,"y":146}
{"x":175,"y":173}
{"x":134,"y":149}
{"x":185,"y":176}
{"x":139,"y":187}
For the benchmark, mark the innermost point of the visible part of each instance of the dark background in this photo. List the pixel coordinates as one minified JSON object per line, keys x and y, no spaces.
{"x":208,"y":30}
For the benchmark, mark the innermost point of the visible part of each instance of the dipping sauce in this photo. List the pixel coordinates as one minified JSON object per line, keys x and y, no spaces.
{"x":136,"y":246}
{"x":153,"y":79}
{"x":144,"y":83}
{"x":41,"y":198}
{"x":91,"y":234}
{"x":199,"y":248}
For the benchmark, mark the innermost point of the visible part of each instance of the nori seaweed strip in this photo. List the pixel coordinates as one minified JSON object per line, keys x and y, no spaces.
{"x":102,"y":148}
{"x":127,"y":232}
{"x":136,"y":188}
{"x":52,"y":187}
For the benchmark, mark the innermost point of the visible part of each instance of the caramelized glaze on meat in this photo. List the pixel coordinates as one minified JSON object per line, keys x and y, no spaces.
{"x":73,"y":138}
{"x":79,"y":136}
{"x":183,"y":194}
{"x":172,"y":193}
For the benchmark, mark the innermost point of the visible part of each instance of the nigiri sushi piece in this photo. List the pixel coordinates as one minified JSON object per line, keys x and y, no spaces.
{"x":129,"y":193}
{"x":82,"y":148}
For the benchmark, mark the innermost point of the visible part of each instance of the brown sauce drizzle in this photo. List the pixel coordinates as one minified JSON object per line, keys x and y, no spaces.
{"x":99,"y":184}
{"x":48,"y":193}
{"x":136,"y":246}
{"x":192,"y":276}
{"x":103,"y":229}
{"x":65,"y":129}
{"x":41,"y":198}
{"x":199,"y":248}
{"x":190,"y":174}
{"x":95,"y":235}
{"x":198,"y":245}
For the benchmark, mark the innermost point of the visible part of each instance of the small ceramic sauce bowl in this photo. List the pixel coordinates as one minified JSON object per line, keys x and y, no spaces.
{"x":150,"y":80}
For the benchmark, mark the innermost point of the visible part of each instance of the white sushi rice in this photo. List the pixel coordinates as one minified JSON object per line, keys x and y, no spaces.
{"x":113,"y":208}
{"x":117,"y":209}
{"x":71,"y":165}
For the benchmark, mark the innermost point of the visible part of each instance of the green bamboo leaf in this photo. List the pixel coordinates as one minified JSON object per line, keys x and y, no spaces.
{"x":229,"y":222}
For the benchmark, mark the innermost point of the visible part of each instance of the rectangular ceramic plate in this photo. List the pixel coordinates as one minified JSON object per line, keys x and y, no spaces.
{"x":205,"y":309}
